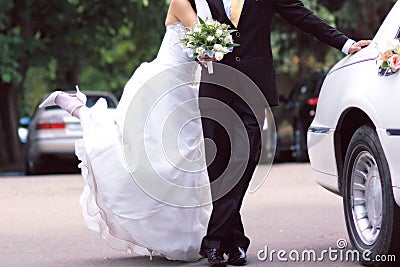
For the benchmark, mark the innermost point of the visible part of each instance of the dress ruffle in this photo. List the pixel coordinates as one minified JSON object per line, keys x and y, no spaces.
{"x":113,"y":204}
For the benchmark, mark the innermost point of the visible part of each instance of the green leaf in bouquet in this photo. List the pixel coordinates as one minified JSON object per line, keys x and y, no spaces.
{"x":202,"y":22}
{"x":233,"y":45}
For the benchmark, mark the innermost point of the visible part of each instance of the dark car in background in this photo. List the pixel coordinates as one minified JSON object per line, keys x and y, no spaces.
{"x":52,"y":134}
{"x":293,"y":117}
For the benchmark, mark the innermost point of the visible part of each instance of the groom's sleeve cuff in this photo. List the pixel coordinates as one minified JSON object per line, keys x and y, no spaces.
{"x":347,"y":46}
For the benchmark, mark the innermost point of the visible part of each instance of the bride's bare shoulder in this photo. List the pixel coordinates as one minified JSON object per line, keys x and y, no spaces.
{"x":181,"y":11}
{"x":179,"y":3}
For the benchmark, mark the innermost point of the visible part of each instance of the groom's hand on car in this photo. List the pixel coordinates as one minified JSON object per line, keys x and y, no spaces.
{"x":357,"y":46}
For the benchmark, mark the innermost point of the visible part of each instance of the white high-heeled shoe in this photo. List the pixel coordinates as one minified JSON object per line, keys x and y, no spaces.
{"x":50,"y":100}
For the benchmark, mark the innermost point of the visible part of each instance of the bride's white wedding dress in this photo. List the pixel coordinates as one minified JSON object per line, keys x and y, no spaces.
{"x":147,"y":185}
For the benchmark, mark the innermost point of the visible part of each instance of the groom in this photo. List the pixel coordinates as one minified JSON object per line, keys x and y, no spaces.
{"x":252,"y":19}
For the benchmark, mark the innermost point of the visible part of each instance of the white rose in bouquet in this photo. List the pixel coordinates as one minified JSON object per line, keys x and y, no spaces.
{"x":389,"y":45}
{"x":197,"y":29}
{"x":218,"y":48}
{"x":388,"y":57}
{"x":209,"y":38}
{"x":200,"y":50}
{"x":219,"y":56}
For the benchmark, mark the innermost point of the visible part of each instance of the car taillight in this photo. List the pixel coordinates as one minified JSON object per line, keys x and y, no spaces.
{"x":313,"y":101}
{"x":50,"y":125}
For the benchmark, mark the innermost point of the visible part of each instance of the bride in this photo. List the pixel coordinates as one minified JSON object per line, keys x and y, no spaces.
{"x":147,"y":186}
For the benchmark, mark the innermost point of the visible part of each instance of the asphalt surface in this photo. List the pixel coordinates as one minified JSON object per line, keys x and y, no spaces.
{"x":41,"y":223}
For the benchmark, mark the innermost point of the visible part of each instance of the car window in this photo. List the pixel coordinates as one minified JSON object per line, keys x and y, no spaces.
{"x":297,"y":91}
{"x":91,"y":100}
{"x":313,"y":84}
{"x":308,"y":87}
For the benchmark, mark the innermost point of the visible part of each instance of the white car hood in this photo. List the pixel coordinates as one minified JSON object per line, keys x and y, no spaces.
{"x":367,"y":54}
{"x":388,"y":30}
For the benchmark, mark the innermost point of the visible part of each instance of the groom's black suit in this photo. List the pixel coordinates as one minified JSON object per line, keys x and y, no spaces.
{"x":254,"y":58}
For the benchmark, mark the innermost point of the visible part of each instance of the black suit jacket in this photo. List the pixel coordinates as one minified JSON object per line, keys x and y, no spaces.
{"x":254,"y":56}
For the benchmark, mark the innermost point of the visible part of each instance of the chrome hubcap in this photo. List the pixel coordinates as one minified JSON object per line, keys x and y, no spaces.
{"x":366,"y":198}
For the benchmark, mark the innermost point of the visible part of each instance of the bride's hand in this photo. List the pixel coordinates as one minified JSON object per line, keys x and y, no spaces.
{"x":207,"y":62}
{"x":204,"y":59}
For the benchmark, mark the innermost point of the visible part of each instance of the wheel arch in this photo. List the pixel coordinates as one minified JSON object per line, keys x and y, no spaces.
{"x":348,"y":123}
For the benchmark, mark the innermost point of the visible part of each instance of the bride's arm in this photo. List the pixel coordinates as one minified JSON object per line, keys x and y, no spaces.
{"x":181,"y":11}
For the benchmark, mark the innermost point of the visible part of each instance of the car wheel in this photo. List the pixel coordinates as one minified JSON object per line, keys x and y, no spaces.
{"x":32,"y":166}
{"x":301,"y":153}
{"x":268,"y":148}
{"x":281,"y":155}
{"x":371,"y":214}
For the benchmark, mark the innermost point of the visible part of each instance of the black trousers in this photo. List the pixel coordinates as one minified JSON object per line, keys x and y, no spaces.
{"x":233,"y":144}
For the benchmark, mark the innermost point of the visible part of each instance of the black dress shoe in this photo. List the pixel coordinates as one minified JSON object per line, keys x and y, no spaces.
{"x":237,"y":257}
{"x":215,"y":257}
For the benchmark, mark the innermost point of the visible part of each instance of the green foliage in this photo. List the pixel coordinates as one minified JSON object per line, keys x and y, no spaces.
{"x":298,"y":52}
{"x":359,"y":18}
{"x":8,"y":43}
{"x":47,"y":45}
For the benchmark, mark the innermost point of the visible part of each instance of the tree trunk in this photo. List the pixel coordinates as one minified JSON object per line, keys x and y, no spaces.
{"x":11,"y":157}
{"x":68,"y":72}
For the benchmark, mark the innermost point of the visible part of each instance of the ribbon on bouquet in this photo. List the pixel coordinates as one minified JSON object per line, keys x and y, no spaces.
{"x":208,"y":64}
{"x":210,"y":67}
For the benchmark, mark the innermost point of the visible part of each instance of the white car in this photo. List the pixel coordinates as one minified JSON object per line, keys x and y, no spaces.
{"x":354,"y":144}
{"x":52,"y":134}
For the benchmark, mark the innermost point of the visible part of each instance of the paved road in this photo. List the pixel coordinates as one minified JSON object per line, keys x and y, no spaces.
{"x":41,"y":222}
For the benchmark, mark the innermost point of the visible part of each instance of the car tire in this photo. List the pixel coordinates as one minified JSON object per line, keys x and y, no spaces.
{"x":371,"y":213}
{"x":29,"y":170}
{"x":301,"y":153}
{"x":268,"y":146}
{"x":32,"y":167}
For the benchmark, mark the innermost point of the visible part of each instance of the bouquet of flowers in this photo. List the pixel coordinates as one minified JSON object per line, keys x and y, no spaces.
{"x":209,"y":38}
{"x":389,"y":57}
